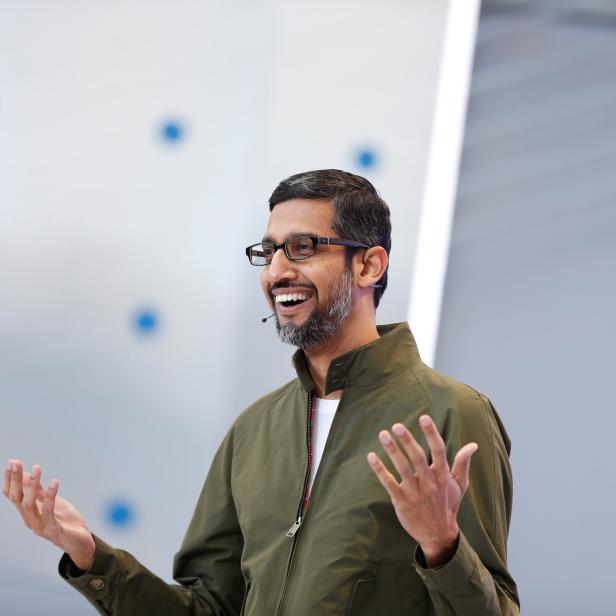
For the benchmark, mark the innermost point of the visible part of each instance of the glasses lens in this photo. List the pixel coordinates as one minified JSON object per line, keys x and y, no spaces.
{"x":261,"y":254}
{"x":300,"y":247}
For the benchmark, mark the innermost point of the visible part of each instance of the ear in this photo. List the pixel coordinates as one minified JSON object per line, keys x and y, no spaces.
{"x":370,"y":266}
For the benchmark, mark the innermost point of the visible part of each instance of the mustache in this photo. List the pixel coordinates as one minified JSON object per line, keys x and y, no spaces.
{"x":285,"y":284}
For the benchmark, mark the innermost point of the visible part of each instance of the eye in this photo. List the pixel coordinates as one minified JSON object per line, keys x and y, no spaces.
{"x":302,"y":247}
{"x":268,"y":250}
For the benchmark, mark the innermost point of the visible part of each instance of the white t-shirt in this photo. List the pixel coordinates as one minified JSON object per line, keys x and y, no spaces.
{"x":321,"y":424}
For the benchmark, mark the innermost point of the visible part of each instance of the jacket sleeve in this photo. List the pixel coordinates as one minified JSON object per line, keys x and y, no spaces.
{"x":476,"y":579}
{"x":207,"y":567}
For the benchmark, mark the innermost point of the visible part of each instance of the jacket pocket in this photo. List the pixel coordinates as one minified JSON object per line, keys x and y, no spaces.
{"x":243,"y":610}
{"x":361,"y":602}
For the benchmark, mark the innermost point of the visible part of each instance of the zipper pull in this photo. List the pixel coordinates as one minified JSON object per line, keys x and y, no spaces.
{"x":294,"y":528}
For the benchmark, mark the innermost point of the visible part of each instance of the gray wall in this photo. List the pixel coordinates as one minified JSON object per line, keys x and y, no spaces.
{"x":530,"y":296}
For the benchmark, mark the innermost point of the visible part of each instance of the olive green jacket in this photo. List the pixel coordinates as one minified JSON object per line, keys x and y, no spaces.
{"x":244,"y":552}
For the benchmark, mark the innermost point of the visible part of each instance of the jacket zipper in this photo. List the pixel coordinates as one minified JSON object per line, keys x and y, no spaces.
{"x":301,"y":510}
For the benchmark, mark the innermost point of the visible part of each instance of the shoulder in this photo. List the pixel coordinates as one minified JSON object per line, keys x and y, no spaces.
{"x":444,"y":392}
{"x":459,"y":408}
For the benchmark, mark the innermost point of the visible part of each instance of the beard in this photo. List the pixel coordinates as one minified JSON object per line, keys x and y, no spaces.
{"x":323,"y":322}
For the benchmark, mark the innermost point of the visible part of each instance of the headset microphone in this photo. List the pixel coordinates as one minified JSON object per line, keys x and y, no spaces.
{"x":264,"y":319}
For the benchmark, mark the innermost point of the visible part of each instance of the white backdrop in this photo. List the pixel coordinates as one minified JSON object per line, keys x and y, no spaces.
{"x":139,"y":142}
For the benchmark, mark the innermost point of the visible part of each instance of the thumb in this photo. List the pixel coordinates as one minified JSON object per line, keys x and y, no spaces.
{"x":461,"y":465}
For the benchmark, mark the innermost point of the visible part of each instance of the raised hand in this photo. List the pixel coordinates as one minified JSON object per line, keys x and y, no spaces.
{"x":428,"y":496}
{"x":48,"y":515}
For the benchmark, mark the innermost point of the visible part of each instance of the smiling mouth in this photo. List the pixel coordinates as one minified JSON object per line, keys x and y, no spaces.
{"x":291,"y":299}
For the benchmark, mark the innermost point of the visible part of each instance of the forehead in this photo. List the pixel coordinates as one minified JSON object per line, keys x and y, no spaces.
{"x":312,"y":216}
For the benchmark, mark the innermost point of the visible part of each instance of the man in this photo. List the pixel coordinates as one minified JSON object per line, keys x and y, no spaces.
{"x":293,"y":518}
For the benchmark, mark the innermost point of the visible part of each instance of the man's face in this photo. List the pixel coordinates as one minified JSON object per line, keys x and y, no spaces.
{"x":311,"y":297}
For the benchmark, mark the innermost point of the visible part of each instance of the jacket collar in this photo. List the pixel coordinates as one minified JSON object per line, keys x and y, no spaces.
{"x":394,"y":352}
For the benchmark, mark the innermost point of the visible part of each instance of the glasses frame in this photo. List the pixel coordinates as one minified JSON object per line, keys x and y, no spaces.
{"x":316,"y":241}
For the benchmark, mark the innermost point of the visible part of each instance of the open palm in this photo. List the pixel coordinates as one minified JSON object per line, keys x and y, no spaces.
{"x":427,"y":496}
{"x":48,"y":515}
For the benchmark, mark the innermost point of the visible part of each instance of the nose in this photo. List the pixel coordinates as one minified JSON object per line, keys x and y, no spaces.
{"x":280,"y":268}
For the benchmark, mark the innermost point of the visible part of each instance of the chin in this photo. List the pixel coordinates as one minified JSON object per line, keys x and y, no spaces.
{"x":293,"y":319}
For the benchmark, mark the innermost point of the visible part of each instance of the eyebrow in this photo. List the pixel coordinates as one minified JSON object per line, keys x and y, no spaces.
{"x":266,"y":238}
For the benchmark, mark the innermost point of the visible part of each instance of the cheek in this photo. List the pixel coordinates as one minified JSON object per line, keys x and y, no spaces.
{"x":323,"y":289}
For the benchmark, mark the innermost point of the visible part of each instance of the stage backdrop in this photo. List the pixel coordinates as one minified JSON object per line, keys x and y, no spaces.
{"x":139,"y":142}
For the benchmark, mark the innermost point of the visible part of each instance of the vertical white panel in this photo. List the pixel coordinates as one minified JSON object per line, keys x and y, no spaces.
{"x":428,"y":277}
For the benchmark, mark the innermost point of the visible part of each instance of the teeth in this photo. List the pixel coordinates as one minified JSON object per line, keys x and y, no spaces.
{"x":290,"y":297}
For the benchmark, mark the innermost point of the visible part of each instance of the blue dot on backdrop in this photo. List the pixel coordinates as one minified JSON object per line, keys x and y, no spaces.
{"x":146,"y":321}
{"x":172,"y":131}
{"x":366,"y":158}
{"x":120,"y":514}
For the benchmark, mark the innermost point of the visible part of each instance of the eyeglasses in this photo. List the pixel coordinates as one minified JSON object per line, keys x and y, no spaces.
{"x":296,"y":248}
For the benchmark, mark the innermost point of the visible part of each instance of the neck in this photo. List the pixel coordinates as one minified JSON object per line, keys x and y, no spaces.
{"x":354,"y":332}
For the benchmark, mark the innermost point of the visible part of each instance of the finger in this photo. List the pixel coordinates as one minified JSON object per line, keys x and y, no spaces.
{"x":461,"y":465}
{"x":412,"y":447}
{"x":40,"y":494}
{"x":16,"y":488}
{"x":400,"y":461}
{"x":437,"y":448}
{"x":6,"y":484}
{"x":16,"y":492}
{"x":385,"y":477}
{"x":32,"y":485}
{"x":49,"y":503}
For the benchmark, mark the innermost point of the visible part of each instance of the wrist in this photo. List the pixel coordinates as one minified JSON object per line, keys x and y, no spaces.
{"x":84,"y":559}
{"x":441,"y":552}
{"x":84,"y":563}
